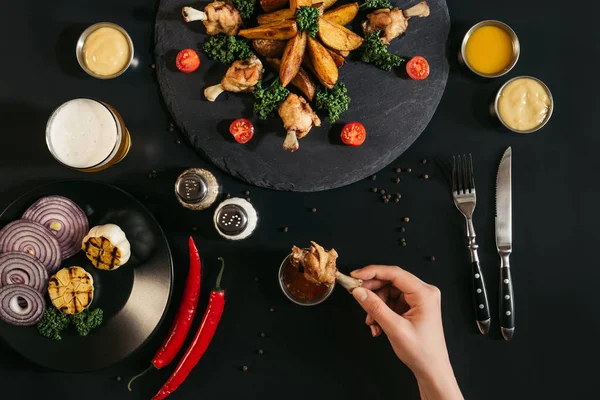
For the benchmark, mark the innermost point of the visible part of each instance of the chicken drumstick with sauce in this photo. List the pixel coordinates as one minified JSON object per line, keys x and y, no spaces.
{"x":242,"y":76}
{"x":393,"y":23}
{"x":320,"y":266}
{"x":217,"y":17}
{"x":298,"y":118}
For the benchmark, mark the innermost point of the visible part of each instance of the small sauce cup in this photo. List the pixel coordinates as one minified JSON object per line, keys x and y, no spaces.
{"x":88,"y":32}
{"x":300,"y":290}
{"x":496,"y":112}
{"x":516,"y":47}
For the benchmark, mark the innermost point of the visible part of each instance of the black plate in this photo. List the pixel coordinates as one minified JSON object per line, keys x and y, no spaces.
{"x":394,"y":109}
{"x":134,"y":297}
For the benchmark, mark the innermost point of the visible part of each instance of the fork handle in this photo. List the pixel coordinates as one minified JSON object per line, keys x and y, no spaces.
{"x":480,"y":298}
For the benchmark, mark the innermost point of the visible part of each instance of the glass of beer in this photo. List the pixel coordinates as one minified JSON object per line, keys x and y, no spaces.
{"x":87,"y":135}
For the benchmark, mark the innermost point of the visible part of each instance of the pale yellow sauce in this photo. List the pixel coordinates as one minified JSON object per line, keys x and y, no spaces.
{"x":524,"y":104}
{"x":106,"y":51}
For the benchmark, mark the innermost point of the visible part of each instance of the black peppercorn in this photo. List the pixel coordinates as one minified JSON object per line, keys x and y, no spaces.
{"x":431,"y":258}
{"x":153,"y":66}
{"x":194,"y":228}
{"x":244,"y":368}
{"x":247,"y":193}
{"x":374,"y":190}
{"x":403,"y":229}
{"x":389,"y":196}
{"x":403,"y":240}
{"x":171,"y":128}
{"x":382,"y":191}
{"x":118,"y":379}
{"x":262,"y":334}
{"x":228,"y":196}
{"x":404,"y":244}
{"x":285,"y":229}
{"x":261,"y":352}
{"x":406,"y":219}
{"x":256,"y":279}
{"x":396,"y":200}
{"x":408,"y":169}
{"x":398,"y":170}
{"x":248,"y":199}
{"x":386,"y":200}
{"x":313,"y":209}
{"x":424,"y":161}
{"x":397,"y":180}
{"x":271,"y":309}
{"x":425,"y":176}
{"x":373,"y":177}
{"x":398,"y":195}
{"x":178,"y":141}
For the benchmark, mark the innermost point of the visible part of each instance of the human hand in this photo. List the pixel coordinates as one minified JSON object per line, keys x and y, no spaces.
{"x":408,"y":310}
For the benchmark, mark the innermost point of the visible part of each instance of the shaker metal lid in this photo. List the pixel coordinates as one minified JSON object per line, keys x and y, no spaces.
{"x":196,"y":189}
{"x":232,"y":219}
{"x":191,"y":188}
{"x":235,"y":219}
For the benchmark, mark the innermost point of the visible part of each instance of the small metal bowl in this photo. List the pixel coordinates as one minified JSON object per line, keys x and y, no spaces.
{"x":290,"y":296}
{"x":84,"y":36}
{"x":496,"y":113}
{"x":507,"y":29}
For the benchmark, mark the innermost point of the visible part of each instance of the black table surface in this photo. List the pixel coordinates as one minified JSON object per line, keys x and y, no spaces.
{"x":326,"y":351}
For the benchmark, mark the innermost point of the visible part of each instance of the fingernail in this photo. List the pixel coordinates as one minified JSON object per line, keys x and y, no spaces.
{"x":373,"y":330}
{"x":360,"y":294}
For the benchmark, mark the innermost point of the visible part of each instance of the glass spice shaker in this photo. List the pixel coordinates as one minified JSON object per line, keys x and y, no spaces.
{"x":235,"y":219}
{"x":196,"y":189}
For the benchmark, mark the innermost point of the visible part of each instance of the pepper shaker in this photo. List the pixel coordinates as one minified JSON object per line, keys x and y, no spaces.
{"x":196,"y":189}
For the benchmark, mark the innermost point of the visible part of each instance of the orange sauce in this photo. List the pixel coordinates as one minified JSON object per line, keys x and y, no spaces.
{"x":300,"y":287}
{"x":489,"y":50}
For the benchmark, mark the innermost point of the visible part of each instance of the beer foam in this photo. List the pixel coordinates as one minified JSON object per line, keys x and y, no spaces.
{"x":82,"y":133}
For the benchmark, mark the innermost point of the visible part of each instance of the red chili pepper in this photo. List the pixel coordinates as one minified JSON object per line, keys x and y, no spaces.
{"x":185,"y":316}
{"x":205,"y":333}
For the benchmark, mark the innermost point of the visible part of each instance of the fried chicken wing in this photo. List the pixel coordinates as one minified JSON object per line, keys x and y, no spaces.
{"x":392,"y":23}
{"x":298,"y":118}
{"x":242,"y":76}
{"x":217,"y":17}
{"x":319,"y":266}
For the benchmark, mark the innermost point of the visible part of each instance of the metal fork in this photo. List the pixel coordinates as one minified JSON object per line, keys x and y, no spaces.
{"x":465,"y":199}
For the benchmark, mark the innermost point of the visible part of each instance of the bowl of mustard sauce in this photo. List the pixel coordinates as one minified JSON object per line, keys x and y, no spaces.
{"x":104,"y":50}
{"x":524,"y":104}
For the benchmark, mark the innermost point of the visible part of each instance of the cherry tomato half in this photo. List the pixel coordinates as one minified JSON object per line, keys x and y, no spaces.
{"x":242,"y":130}
{"x":417,"y":68}
{"x":354,"y":134}
{"x":187,"y":61}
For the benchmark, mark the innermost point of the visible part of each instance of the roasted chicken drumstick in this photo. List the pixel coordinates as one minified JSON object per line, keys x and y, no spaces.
{"x":393,"y":23}
{"x":217,"y":17}
{"x":320,"y":266}
{"x":298,"y":118}
{"x":242,"y":76}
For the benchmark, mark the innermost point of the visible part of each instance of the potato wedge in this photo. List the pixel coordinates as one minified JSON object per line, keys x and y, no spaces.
{"x":292,"y":58}
{"x":342,"y":15}
{"x":326,"y":3}
{"x":302,"y":80}
{"x":273,"y":5}
{"x":276,"y":16}
{"x":295,"y":4}
{"x":282,"y":30}
{"x":343,"y":53}
{"x":322,"y":63}
{"x":337,"y":58}
{"x":338,"y":37}
{"x":269,"y":47}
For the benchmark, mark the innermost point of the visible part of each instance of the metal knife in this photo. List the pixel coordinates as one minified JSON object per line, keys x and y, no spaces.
{"x":504,"y":243}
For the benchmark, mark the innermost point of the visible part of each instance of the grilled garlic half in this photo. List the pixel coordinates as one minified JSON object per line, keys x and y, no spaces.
{"x":107,"y":247}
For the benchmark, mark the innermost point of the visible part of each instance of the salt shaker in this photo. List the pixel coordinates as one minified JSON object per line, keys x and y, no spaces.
{"x":196,"y":189}
{"x":235,"y":219}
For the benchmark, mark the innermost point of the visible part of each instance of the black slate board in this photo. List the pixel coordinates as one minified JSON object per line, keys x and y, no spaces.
{"x":394,"y":109}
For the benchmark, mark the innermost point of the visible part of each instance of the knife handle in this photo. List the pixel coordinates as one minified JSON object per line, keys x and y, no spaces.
{"x":480,"y":299}
{"x":507,"y":301}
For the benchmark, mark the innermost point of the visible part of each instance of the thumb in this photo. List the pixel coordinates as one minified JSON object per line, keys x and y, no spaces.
{"x":376,"y":308}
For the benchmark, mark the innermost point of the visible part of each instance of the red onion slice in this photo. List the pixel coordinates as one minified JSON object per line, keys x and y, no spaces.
{"x":21,"y":305}
{"x":64,"y":218}
{"x":32,"y":238}
{"x":23,"y":269}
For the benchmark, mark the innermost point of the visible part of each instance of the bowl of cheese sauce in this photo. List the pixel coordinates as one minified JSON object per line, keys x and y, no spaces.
{"x":104,"y":50}
{"x":490,"y":49}
{"x":524,"y":104}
